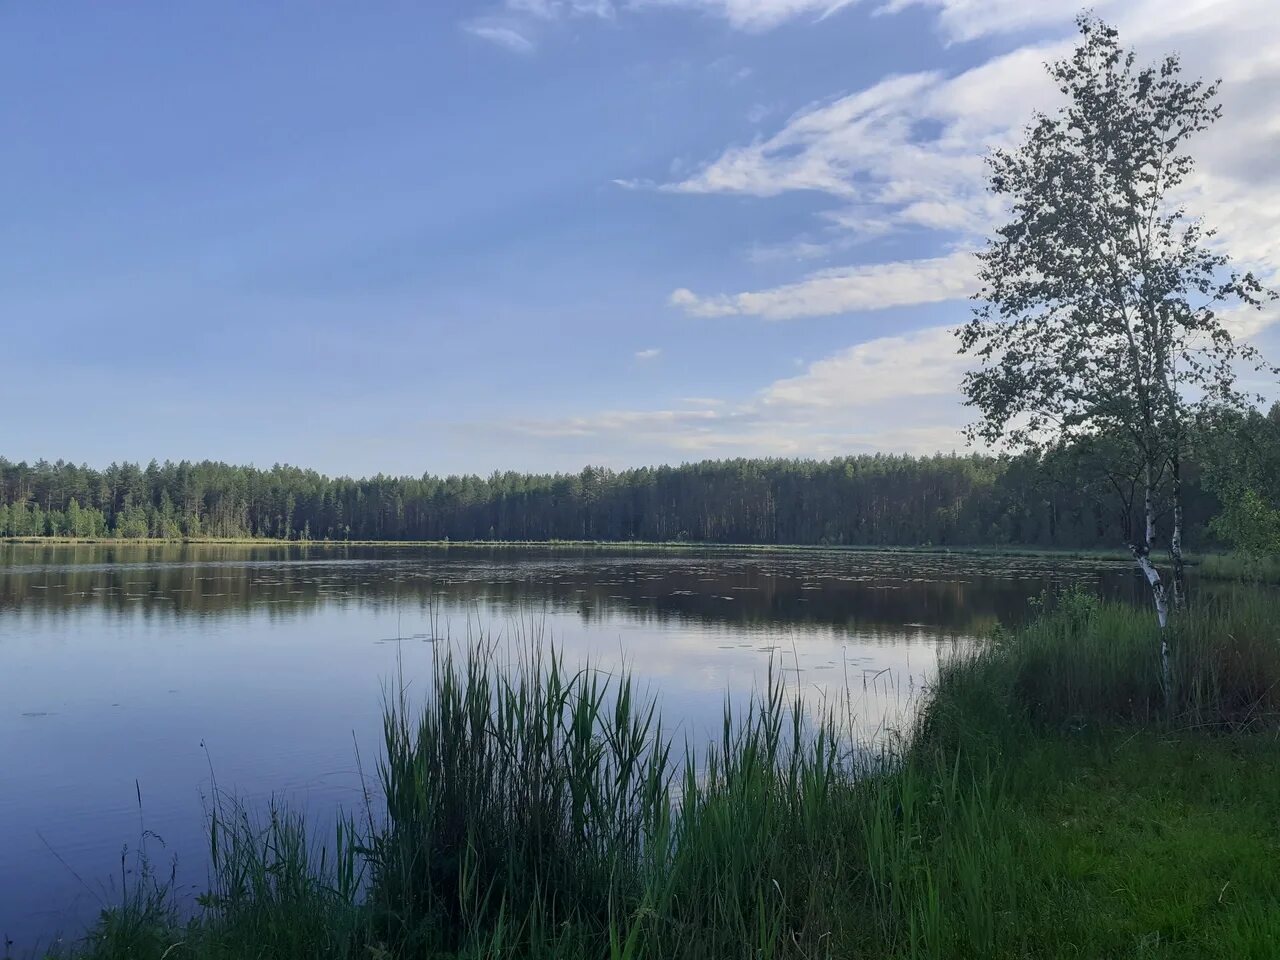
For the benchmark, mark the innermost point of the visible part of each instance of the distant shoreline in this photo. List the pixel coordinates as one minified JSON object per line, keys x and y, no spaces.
{"x":1067,"y":553}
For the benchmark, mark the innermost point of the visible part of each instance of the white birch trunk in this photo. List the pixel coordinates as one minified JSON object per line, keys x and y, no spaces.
{"x":1175,"y":552}
{"x":1175,"y":538}
{"x":1149,"y":512}
{"x":1142,"y":555}
{"x":1157,"y":588}
{"x":1161,"y":600}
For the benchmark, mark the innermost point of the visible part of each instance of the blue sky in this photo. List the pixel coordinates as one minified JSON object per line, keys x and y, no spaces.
{"x":532,"y":234}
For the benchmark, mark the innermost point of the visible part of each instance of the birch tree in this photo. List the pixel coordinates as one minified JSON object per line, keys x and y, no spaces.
{"x":1100,"y":319}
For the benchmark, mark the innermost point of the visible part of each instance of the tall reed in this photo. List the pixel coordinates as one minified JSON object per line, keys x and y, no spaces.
{"x":530,"y":796}
{"x":546,"y":811}
{"x":536,"y":811}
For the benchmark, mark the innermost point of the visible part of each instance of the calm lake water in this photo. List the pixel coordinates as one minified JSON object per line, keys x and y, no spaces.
{"x":129,"y":676}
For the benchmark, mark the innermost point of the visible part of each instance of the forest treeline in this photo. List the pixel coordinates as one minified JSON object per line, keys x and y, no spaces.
{"x":946,"y":499}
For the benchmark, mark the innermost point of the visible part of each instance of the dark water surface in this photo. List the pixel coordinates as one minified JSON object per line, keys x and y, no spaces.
{"x":132,"y":673}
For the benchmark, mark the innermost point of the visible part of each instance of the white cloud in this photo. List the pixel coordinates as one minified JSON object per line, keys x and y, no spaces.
{"x":747,"y":15}
{"x":844,"y":290}
{"x":652,"y":353}
{"x":553,"y":9}
{"x":630,"y":422}
{"x":907,"y":151}
{"x":501,"y":34}
{"x":1244,"y":323}
{"x":841,"y":439}
{"x":701,"y":402}
{"x":756,"y":15}
{"x":970,"y":19}
{"x":817,"y":149}
{"x":746,"y":430}
{"x":897,"y":393}
{"x":922,"y":363}
{"x":905,"y":154}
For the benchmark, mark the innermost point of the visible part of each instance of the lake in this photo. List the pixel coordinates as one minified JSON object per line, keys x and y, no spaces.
{"x":131,"y":676}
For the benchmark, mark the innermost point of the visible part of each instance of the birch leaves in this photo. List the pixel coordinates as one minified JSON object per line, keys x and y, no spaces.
{"x":1100,"y":310}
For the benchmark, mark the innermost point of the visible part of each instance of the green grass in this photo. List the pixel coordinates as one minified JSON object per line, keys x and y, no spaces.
{"x":1235,"y":566}
{"x":1084,"y":664}
{"x":1051,"y":802}
{"x":1157,"y":846}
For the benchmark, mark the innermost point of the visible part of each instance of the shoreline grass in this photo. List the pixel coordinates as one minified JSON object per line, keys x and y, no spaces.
{"x":976,"y":550}
{"x":1242,"y":569}
{"x":1050,"y":802}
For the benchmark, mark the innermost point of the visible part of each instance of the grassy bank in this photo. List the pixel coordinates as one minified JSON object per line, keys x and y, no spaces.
{"x":1234,"y":566}
{"x":1051,"y":802}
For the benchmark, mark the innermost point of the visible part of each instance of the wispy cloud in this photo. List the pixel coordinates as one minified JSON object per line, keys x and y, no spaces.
{"x":871,"y":151}
{"x":501,"y":34}
{"x":844,"y":290}
{"x":918,"y":364}
{"x":746,"y":431}
{"x":702,"y":401}
{"x":757,"y":15}
{"x":968,"y":20}
{"x":552,"y":9}
{"x":906,"y":152}
{"x":509,"y":20}
{"x":652,"y":353}
{"x":796,"y":250}
{"x":633,"y":422}
{"x":896,"y":393}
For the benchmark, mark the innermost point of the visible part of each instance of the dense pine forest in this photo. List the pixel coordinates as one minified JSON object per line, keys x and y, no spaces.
{"x":864,"y":500}
{"x":855,"y":500}
{"x":941,"y":500}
